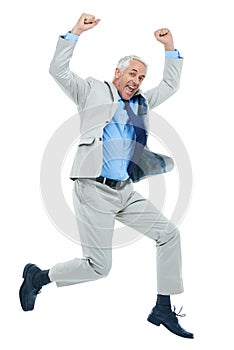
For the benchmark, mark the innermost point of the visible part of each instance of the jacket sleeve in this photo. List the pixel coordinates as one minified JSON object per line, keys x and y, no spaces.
{"x":75,"y":87}
{"x":169,"y":84}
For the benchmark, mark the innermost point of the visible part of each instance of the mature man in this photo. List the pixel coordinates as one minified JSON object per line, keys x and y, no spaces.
{"x":112,"y":154}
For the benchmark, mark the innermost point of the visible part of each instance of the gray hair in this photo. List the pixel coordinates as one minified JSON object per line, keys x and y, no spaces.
{"x":125,"y":62}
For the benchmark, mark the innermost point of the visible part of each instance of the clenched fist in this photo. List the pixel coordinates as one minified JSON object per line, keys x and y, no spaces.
{"x":164,"y":36}
{"x":85,"y":22}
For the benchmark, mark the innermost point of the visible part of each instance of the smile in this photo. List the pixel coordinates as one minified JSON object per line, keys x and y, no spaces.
{"x":130,"y":88}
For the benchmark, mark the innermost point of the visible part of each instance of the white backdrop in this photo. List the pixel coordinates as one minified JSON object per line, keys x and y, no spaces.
{"x":111,"y":313}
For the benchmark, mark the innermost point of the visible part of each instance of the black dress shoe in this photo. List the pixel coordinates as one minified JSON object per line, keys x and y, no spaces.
{"x":168,"y":320}
{"x":28,"y":292}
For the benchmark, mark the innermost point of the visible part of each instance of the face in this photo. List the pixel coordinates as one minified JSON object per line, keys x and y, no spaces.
{"x":129,"y":81}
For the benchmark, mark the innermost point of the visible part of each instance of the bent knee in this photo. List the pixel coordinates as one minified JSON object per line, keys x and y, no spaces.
{"x":172,"y":234}
{"x":102,"y":271}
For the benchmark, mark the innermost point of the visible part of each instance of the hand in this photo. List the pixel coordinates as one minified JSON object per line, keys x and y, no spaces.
{"x":85,"y":22}
{"x":164,"y":36}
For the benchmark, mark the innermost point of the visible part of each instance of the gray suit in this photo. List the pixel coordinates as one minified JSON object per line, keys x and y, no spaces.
{"x":97,"y":205}
{"x":97,"y":102}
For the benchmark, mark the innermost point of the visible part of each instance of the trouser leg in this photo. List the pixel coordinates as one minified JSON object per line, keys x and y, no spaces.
{"x":95,"y":224}
{"x":140,"y":214}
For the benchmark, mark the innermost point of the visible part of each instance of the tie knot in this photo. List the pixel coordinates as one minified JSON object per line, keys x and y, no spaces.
{"x":126,"y":102}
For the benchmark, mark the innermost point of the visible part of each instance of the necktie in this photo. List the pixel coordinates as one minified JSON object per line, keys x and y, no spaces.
{"x":141,"y":136}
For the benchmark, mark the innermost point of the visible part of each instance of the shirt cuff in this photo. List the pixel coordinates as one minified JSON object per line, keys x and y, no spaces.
{"x":70,"y":36}
{"x":172,"y":54}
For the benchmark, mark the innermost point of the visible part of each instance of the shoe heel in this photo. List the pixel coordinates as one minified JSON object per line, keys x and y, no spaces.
{"x":154,"y":320}
{"x":26,"y":270}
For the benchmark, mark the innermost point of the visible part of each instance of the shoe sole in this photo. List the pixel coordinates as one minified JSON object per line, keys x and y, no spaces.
{"x":157,"y":322}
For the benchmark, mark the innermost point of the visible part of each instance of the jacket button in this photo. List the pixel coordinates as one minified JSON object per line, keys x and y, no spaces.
{"x":100,"y":139}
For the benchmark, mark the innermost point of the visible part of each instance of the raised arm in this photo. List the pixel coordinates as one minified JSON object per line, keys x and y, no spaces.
{"x":172,"y":70}
{"x":74,"y":86}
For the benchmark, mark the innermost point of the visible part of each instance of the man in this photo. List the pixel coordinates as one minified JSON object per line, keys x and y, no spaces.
{"x":112,"y":154}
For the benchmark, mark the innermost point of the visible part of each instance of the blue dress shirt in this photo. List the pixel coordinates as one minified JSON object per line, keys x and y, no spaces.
{"x":118,"y":143}
{"x":119,"y":136}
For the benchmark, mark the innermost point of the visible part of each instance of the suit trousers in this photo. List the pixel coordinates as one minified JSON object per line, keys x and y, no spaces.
{"x":97,"y":206}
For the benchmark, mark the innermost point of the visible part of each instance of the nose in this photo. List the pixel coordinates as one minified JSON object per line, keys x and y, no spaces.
{"x":136,"y":80}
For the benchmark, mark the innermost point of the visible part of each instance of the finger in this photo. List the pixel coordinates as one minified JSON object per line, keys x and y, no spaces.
{"x":164,"y":31}
{"x":158,"y":32}
{"x":93,"y":24}
{"x":86,"y":16}
{"x":96,"y":22}
{"x":89,"y":19}
{"x":161,"y":32}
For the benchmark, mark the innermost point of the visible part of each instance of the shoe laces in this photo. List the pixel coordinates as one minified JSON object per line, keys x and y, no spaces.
{"x":179,"y":313}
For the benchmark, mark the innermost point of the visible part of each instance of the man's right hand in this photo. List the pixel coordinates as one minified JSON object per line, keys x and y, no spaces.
{"x":85,"y":22}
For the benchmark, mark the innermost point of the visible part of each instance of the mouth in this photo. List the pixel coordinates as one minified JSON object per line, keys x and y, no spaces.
{"x":130,"y":89}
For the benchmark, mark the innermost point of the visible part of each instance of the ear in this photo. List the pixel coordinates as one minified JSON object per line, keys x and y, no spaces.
{"x":117,"y":73}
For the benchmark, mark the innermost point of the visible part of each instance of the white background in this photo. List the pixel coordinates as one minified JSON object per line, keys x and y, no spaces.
{"x":111,"y":313}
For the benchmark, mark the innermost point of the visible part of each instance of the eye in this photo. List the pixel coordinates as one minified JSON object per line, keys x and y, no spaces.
{"x":132,"y":74}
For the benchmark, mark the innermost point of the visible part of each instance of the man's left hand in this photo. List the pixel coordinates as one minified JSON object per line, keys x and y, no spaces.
{"x":164,"y":36}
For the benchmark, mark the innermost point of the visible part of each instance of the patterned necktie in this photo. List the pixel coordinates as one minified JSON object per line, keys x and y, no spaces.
{"x":141,"y":136}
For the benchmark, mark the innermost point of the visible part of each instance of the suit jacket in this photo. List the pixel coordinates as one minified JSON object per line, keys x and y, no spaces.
{"x":97,"y":102}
